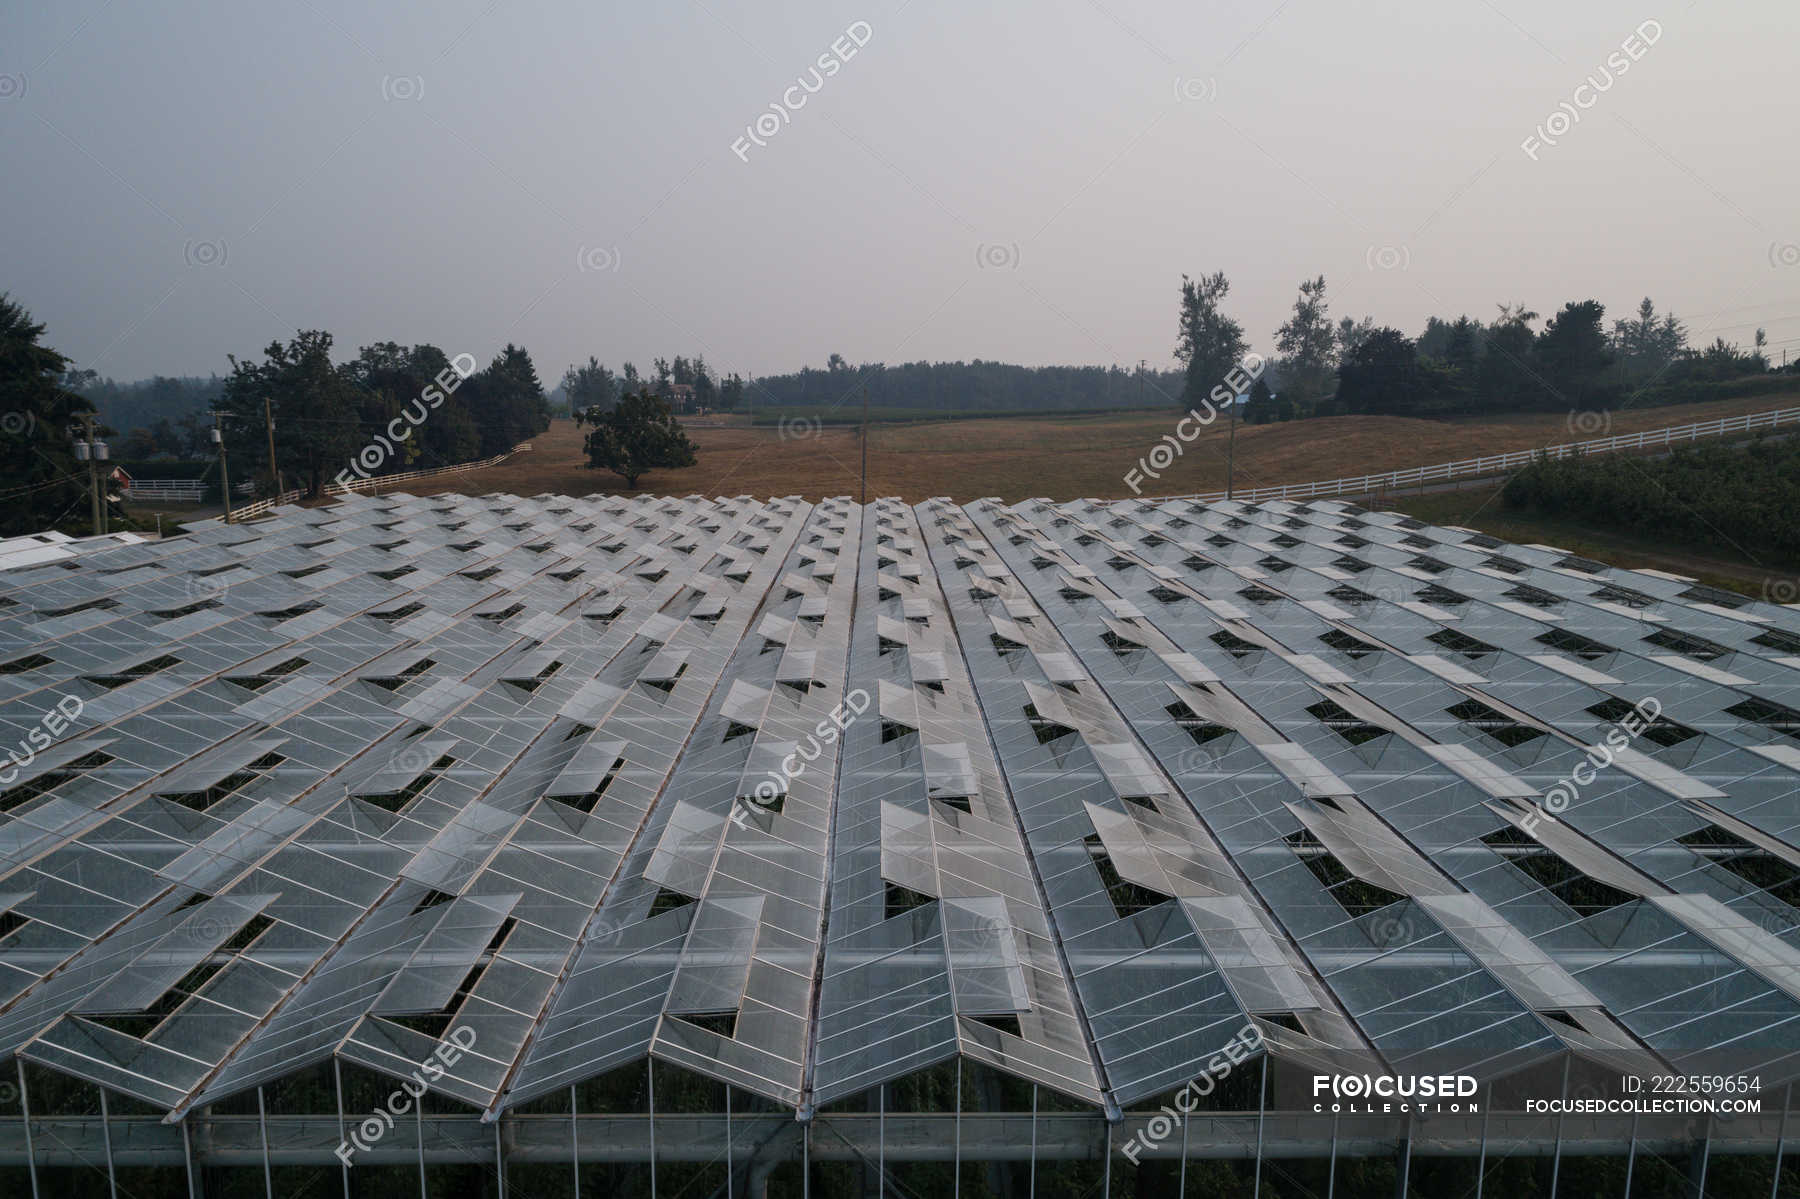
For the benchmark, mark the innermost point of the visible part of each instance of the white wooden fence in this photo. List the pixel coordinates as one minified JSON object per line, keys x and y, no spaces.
{"x":1496,"y":464}
{"x":186,"y":491}
{"x":374,"y":483}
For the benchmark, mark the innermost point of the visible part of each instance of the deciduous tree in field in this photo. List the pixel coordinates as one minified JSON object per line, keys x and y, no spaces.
{"x":638,"y":434}
{"x":1309,"y":343}
{"x":1351,"y":333}
{"x":1211,"y":343}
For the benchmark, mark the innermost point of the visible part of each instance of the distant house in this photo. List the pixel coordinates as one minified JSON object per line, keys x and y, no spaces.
{"x":681,"y":397}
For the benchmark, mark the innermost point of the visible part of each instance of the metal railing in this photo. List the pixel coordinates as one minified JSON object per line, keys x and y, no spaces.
{"x":1494,"y":464}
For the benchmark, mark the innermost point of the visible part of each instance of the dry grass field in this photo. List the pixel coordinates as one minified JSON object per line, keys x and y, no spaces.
{"x":1059,"y":457}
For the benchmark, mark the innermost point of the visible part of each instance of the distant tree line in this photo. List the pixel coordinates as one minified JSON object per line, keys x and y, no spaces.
{"x":1573,"y":363}
{"x":1461,"y":367}
{"x":977,"y":386}
{"x":1752,"y":490}
{"x":1320,"y":365}
{"x":593,"y":388}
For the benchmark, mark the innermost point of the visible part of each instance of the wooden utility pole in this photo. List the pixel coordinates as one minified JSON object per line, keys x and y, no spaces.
{"x":1231,"y":447}
{"x":93,"y":464}
{"x":224,"y":472}
{"x":269,"y":424}
{"x":865,"y":445}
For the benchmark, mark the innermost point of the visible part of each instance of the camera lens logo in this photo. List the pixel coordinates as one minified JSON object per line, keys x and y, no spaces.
{"x":996,"y":256}
{"x":796,"y":428}
{"x":203,"y":253}
{"x":1388,"y":258}
{"x":1196,"y":87}
{"x":597,"y":259}
{"x":1590,"y":424}
{"x":402,"y":87}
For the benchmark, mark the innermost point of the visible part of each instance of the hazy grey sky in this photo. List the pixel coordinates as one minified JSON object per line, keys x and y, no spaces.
{"x":1022,"y":180}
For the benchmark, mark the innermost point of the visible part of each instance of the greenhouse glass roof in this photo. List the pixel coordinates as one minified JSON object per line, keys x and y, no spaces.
{"x":805,"y":798}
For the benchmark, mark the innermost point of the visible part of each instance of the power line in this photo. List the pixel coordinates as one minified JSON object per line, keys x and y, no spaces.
{"x":35,"y":487}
